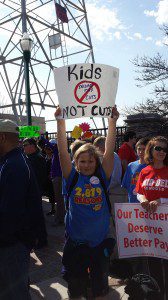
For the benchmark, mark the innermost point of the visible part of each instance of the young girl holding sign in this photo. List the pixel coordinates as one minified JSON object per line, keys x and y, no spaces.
{"x":87,"y":248}
{"x":152,"y":189}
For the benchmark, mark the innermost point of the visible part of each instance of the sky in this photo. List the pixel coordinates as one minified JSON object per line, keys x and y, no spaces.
{"x":128,"y":28}
{"x":120,"y":31}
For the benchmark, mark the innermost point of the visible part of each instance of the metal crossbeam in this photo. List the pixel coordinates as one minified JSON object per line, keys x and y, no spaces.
{"x":20,"y":16}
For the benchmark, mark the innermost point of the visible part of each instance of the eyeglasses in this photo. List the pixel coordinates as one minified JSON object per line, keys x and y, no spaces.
{"x":158,"y":148}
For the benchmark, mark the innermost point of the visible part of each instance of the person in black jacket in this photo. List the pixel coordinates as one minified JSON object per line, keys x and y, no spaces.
{"x":39,"y":166}
{"x":38,"y":162}
{"x":20,"y":214}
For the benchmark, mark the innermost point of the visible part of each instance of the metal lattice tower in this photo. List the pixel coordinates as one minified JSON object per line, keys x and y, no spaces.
{"x":38,"y":18}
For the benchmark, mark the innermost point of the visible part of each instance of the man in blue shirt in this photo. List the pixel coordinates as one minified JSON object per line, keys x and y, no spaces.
{"x":133,"y":169}
{"x":20,"y":214}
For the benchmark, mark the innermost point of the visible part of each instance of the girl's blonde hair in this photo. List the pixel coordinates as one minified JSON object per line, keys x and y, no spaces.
{"x":90,"y":149}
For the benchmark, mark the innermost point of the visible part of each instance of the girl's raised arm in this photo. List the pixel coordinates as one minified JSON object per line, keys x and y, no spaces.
{"x":64,"y":156}
{"x":108,"y":158}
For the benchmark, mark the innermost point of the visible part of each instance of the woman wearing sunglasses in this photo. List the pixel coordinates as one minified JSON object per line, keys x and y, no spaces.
{"x":152,"y":189}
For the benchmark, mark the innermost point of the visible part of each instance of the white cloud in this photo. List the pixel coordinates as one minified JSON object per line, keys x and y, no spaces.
{"x":150,"y":13}
{"x":128,"y":36}
{"x":117,"y":35}
{"x":102,"y":20}
{"x":148,"y":38}
{"x":162,"y":42}
{"x":161,"y":15}
{"x":159,"y":43}
{"x":138,"y":36}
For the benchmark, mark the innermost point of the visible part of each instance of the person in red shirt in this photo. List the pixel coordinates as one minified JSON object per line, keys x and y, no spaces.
{"x":126,"y":151}
{"x":152,"y":184}
{"x":152,"y":190}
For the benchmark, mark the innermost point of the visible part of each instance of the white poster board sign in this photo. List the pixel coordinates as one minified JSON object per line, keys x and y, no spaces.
{"x":140,"y":233}
{"x":86,"y":90}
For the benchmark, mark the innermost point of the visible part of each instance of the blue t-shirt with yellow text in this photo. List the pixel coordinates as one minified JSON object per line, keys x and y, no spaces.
{"x":88,"y":217}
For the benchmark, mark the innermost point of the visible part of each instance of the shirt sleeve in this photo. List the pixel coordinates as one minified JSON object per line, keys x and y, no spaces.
{"x":140,"y":197}
{"x":117,"y":171}
{"x":139,"y":188}
{"x":126,"y":179}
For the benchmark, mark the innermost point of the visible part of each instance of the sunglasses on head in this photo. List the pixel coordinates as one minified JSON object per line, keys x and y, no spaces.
{"x":158,"y":148}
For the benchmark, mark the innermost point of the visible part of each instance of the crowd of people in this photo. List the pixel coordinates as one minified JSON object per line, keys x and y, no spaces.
{"x":81,"y":186}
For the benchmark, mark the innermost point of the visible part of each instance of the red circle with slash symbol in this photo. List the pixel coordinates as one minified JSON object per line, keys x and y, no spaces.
{"x":83,"y":96}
